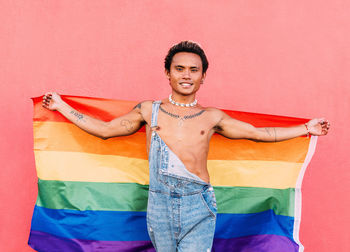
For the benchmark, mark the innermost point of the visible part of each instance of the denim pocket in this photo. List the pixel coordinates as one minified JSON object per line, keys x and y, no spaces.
{"x":208,"y":197}
{"x":162,"y":177}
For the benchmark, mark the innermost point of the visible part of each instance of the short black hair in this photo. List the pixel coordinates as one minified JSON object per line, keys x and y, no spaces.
{"x":186,"y":46}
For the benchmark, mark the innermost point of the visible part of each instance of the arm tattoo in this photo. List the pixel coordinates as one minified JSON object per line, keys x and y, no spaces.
{"x":138,"y":106}
{"x":268,"y":132}
{"x":78,"y":115}
{"x":127,"y":124}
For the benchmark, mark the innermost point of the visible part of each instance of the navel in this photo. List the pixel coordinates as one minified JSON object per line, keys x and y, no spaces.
{"x":202,"y":132}
{"x":158,"y":128}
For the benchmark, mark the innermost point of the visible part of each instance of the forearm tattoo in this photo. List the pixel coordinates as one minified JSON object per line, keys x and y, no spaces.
{"x":127,"y":124}
{"x":269,"y":133}
{"x":79,"y":116}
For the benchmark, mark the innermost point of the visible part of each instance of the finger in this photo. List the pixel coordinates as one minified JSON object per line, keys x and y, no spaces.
{"x":325,"y":128}
{"x":321,"y":120}
{"x":46,"y":101}
{"x":48,"y":97}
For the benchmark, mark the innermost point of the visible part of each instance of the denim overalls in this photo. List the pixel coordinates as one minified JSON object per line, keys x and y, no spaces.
{"x":181,"y":210}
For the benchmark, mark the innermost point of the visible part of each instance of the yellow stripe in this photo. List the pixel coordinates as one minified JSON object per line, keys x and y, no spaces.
{"x":77,"y":166}
{"x":250,"y":173}
{"x":61,"y":136}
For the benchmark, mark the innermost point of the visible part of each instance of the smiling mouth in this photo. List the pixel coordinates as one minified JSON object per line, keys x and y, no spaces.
{"x":186,"y":84}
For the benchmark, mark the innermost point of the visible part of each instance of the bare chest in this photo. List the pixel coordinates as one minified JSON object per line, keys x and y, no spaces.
{"x":185,"y":131}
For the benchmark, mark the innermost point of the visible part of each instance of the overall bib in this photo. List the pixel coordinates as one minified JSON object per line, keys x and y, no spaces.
{"x":181,"y":211}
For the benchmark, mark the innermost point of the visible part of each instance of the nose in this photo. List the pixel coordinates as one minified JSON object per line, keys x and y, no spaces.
{"x":187,"y":74}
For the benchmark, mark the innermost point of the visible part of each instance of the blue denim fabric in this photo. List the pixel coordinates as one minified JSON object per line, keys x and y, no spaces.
{"x":181,"y":211}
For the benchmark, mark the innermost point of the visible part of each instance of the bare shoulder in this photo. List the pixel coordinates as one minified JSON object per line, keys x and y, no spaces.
{"x":215,"y":115}
{"x":144,"y":108}
{"x":214,"y":112}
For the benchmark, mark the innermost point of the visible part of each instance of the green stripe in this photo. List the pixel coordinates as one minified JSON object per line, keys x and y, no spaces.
{"x":254,"y":200}
{"x":133,"y":197}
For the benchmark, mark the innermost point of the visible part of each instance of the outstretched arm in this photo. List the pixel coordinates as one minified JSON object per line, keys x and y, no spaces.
{"x":121,"y":126}
{"x":233,"y":128}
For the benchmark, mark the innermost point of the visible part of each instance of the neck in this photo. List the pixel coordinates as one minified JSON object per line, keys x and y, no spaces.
{"x":183,"y":98}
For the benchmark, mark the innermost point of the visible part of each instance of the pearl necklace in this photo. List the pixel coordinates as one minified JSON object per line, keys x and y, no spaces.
{"x":183,"y":104}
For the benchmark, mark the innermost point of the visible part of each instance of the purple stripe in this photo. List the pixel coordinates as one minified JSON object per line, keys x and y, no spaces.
{"x":41,"y":242}
{"x":261,"y":243}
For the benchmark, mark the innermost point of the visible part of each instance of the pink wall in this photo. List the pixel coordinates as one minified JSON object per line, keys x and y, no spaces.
{"x":278,"y":57}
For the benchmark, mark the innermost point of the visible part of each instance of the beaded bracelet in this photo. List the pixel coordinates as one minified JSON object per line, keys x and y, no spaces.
{"x":307,"y":128}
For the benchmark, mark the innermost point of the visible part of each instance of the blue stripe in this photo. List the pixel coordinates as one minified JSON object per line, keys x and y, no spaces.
{"x":267,"y":222}
{"x":131,"y":226}
{"x":91,"y":225}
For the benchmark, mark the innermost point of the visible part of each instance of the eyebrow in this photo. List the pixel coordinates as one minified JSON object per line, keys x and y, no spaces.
{"x":184,"y":67}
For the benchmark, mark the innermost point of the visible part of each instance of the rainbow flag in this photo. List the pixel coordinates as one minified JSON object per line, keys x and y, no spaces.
{"x":93,"y":193}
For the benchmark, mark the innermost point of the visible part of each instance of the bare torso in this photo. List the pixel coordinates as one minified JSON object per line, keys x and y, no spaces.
{"x":187,"y":138}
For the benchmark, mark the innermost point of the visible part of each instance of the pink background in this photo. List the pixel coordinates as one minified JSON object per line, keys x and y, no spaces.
{"x":278,"y":57}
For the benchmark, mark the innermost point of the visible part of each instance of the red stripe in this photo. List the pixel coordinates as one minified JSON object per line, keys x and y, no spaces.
{"x":106,"y":109}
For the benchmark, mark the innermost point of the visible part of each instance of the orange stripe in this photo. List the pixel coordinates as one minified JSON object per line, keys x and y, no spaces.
{"x":293,"y":150}
{"x":60,"y":136}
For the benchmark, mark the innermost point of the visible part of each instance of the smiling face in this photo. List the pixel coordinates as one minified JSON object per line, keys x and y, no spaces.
{"x":186,"y":73}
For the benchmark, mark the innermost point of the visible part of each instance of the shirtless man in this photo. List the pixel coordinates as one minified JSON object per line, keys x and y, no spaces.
{"x":181,"y":210}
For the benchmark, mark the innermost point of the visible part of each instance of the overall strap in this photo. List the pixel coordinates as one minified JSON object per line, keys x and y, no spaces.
{"x":155,"y":110}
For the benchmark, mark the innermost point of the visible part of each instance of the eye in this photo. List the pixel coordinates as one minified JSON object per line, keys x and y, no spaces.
{"x":194,"y":70}
{"x":178,"y":68}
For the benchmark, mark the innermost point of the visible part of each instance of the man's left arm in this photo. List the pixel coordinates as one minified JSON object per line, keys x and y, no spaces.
{"x":233,"y":128}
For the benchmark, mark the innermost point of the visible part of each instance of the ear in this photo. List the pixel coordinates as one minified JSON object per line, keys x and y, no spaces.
{"x":167,"y":73}
{"x":203,"y":78}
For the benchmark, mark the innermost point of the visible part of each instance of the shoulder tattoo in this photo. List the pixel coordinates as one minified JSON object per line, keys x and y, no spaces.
{"x":138,"y":106}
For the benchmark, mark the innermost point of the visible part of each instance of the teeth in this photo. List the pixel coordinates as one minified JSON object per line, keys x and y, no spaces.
{"x":185,"y":84}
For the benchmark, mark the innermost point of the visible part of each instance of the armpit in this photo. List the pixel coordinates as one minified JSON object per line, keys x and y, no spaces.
{"x":218,"y":128}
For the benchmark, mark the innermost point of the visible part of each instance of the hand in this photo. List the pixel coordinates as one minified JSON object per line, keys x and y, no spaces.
{"x":318,"y":126}
{"x":52,"y":101}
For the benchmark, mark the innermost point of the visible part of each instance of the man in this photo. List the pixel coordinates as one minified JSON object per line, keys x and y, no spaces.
{"x":181,"y":210}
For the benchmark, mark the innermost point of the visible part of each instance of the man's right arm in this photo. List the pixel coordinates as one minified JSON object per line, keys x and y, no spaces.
{"x":121,"y":126}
